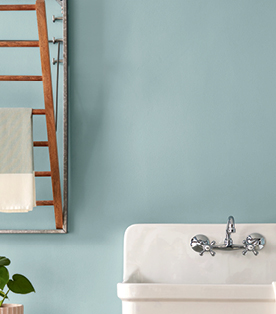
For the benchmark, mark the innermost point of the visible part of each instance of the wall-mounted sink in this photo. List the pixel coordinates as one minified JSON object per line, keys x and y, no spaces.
{"x":162,"y":274}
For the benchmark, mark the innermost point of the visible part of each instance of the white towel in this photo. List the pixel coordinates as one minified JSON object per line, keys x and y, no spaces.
{"x":17,"y":181}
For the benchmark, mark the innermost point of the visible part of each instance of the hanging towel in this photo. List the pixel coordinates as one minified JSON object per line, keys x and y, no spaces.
{"x":17,"y":181}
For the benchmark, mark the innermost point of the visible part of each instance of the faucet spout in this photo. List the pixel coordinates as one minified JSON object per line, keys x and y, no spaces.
{"x":231,"y":225}
{"x":229,"y":229}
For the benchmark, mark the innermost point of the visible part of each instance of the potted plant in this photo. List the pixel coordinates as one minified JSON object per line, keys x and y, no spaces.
{"x":18,"y":284}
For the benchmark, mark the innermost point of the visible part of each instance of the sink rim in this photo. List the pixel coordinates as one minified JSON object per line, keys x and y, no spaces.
{"x":196,"y":292}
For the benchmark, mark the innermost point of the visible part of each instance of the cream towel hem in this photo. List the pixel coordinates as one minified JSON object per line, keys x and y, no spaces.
{"x":15,"y":193}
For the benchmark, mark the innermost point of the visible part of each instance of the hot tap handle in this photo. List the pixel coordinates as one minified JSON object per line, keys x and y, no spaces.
{"x":201,"y":244}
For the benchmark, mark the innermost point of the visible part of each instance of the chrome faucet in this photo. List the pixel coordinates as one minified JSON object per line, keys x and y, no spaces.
{"x":253,"y":243}
{"x":229,"y":229}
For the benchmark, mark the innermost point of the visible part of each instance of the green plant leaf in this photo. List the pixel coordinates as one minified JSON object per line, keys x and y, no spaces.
{"x":2,"y":294}
{"x":4,"y":261}
{"x":20,"y":284}
{"x":4,"y":277}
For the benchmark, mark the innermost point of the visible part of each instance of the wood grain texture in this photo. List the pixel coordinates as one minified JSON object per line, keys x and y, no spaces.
{"x":38,"y":111}
{"x":41,"y":144}
{"x":49,"y":108}
{"x":19,"y":43}
{"x":32,"y":78}
{"x":43,"y":173}
{"x":44,"y":203}
{"x":17,"y":7}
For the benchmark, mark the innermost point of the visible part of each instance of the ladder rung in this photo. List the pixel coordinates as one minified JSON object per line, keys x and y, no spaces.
{"x":43,"y":173}
{"x":15,"y":7}
{"x":38,"y":111}
{"x":44,"y":203}
{"x":19,"y":43}
{"x":41,"y":144}
{"x":20,"y":78}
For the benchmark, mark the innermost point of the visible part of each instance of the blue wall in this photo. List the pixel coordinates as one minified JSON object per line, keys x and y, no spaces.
{"x":172,"y":119}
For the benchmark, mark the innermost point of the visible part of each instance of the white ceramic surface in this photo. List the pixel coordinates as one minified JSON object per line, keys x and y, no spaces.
{"x":196,"y":299}
{"x":163,"y":275}
{"x":161,"y":253}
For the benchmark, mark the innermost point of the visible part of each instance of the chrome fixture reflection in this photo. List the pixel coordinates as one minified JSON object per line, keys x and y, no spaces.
{"x":201,"y":244}
{"x":253,"y":243}
{"x":230,"y":229}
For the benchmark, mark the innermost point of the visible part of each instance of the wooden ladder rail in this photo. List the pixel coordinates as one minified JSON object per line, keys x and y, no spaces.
{"x":49,"y":109}
{"x":17,"y":7}
{"x":42,"y":43}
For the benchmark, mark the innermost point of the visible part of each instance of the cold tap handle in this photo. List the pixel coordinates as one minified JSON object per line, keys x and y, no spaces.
{"x":253,"y":243}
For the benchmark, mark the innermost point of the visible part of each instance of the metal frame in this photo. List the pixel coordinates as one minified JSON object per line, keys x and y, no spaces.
{"x":63,"y":4}
{"x":65,"y":115}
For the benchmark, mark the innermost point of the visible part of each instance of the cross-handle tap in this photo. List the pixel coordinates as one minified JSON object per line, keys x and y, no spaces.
{"x":201,"y":244}
{"x":253,"y":243}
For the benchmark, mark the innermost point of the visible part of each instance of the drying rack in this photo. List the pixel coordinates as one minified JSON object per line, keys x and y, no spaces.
{"x":61,"y":211}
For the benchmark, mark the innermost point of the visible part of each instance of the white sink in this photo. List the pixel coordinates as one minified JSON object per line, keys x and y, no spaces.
{"x":163,"y":275}
{"x":195,"y":299}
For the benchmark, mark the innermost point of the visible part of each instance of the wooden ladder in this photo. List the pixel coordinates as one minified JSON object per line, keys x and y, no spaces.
{"x":43,"y":44}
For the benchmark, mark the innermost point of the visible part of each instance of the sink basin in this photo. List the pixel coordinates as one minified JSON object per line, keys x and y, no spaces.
{"x":163,"y":275}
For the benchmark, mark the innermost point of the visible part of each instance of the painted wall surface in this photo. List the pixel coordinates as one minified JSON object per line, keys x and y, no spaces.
{"x":172,"y":119}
